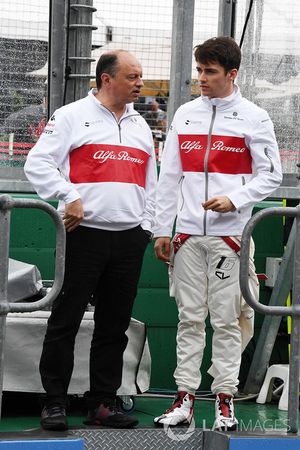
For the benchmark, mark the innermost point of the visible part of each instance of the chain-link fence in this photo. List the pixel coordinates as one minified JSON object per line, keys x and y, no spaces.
{"x":269,"y":74}
{"x":145,"y":29}
{"x":23,"y":49}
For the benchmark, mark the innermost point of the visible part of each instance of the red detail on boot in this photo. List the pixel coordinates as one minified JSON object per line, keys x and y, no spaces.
{"x":225,"y":404}
{"x":179,"y":399}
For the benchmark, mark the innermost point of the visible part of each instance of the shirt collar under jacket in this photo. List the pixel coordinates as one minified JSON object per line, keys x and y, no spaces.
{"x":226,"y":102}
{"x":129,"y":110}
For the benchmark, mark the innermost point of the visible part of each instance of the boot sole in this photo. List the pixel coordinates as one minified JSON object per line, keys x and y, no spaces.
{"x":180,"y":424}
{"x":107,"y":425}
{"x":54,"y":426}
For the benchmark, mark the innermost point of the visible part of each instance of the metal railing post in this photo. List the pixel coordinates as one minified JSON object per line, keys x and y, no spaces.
{"x":6,"y":204}
{"x":294,"y":372}
{"x":293,"y":310}
{"x":270,"y":326}
{"x":4,"y":252}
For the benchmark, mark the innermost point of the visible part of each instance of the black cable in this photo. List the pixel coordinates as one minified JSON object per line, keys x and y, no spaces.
{"x":49,"y":59}
{"x":246,"y":23}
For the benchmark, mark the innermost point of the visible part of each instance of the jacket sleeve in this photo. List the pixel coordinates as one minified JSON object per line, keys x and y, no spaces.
{"x":150,"y":191}
{"x":168,"y":185}
{"x":267,"y":172}
{"x":49,"y":158}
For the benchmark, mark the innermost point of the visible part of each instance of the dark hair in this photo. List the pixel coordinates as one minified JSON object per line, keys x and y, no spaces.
{"x":221,"y":50}
{"x":107,"y":63}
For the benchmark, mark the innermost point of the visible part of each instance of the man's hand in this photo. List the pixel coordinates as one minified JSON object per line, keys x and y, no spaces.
{"x":220,"y":204}
{"x":73,"y":214}
{"x":162,"y":248}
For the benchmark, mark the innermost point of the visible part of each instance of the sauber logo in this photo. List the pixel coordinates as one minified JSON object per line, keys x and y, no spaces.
{"x":102,"y":156}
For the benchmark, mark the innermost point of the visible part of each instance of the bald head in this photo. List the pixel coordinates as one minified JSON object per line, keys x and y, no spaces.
{"x":110,"y":62}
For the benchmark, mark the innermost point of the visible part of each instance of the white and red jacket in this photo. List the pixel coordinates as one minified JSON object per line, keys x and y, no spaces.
{"x":85,"y":152}
{"x":220,"y":146}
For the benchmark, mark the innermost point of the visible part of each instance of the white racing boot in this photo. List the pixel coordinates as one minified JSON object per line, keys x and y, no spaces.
{"x":181,"y":412}
{"x":225,"y":420}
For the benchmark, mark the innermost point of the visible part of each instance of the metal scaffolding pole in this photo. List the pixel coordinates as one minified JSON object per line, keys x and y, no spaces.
{"x":79,"y":49}
{"x":57,"y":55}
{"x":226,"y":22}
{"x":70,"y":47}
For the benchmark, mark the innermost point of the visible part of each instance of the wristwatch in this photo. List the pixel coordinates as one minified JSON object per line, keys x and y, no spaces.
{"x":149,"y":234}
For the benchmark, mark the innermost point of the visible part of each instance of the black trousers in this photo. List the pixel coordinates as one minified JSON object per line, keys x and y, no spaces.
{"x":102,"y":267}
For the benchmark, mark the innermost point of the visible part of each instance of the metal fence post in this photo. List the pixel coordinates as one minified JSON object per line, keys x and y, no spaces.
{"x":70,"y":46}
{"x":181,"y":56}
{"x":226,"y":23}
{"x":57,"y":54}
{"x":79,"y":49}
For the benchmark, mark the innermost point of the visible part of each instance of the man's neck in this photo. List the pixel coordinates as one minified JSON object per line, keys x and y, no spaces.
{"x":117,"y":108}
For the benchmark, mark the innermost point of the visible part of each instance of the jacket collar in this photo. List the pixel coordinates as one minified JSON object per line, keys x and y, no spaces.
{"x":226,"y":102}
{"x":129,"y":110}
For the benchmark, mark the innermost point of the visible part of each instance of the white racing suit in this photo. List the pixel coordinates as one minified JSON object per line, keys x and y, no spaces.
{"x":215,"y":147}
{"x":206,"y":277}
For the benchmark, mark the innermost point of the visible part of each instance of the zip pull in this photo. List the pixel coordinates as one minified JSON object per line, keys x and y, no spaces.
{"x":180,"y":182}
{"x":269,"y":158}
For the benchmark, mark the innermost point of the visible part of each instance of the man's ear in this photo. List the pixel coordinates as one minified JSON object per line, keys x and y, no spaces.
{"x":233,"y":74}
{"x":105,"y":78}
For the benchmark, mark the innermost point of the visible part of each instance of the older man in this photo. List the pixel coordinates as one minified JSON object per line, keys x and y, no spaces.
{"x":96,"y":157}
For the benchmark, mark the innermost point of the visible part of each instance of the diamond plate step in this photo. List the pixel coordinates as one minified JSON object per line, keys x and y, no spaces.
{"x":140,"y":439}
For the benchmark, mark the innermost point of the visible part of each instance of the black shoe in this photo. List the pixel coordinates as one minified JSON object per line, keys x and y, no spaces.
{"x":54,"y":418}
{"x":108,"y":415}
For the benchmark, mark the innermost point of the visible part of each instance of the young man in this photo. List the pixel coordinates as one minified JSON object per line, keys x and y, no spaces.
{"x":220,"y":158}
{"x":96,"y":157}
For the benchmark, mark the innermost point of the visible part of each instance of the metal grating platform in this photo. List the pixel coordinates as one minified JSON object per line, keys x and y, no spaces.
{"x":140,"y":439}
{"x":180,"y":438}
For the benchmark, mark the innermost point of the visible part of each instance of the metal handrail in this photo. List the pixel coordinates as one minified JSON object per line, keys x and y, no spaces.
{"x":293,"y":310}
{"x":7,"y":203}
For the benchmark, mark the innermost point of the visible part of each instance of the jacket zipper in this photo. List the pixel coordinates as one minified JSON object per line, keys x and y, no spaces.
{"x":206,"y":163}
{"x":119,"y":122}
{"x":269,"y":158}
{"x":180,"y":182}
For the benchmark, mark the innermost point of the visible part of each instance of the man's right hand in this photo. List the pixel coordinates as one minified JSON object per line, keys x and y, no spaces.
{"x":162,"y":248}
{"x":73,"y":214}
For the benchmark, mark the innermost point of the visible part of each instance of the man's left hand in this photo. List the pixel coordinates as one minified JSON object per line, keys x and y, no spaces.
{"x":221,"y":204}
{"x":73,"y":214}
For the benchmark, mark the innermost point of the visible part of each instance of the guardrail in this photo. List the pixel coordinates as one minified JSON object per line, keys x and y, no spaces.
{"x":293,"y":311}
{"x":7,"y":203}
